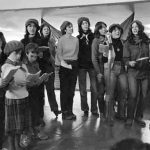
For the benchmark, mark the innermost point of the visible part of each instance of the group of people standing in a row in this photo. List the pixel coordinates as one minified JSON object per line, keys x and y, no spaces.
{"x":115,"y":68}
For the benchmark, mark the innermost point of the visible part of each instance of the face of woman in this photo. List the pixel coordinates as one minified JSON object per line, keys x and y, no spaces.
{"x":135,"y":28}
{"x":85,"y":26}
{"x":46,"y":31}
{"x":116,"y":33}
{"x":69,"y":29}
{"x":31,"y":28}
{"x":103,"y":30}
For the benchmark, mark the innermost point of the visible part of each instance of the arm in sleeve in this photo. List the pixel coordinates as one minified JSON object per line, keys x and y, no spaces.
{"x":58,"y":56}
{"x":95,"y":59}
{"x":126,"y":54}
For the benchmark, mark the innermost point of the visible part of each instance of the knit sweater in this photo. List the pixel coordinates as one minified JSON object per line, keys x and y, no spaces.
{"x":68,"y":48}
{"x":14,"y":89}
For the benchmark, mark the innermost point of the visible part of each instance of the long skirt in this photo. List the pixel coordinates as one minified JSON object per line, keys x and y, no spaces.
{"x":17,"y":115}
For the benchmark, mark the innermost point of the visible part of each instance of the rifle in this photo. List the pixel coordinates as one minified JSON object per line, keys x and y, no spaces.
{"x":108,"y":73}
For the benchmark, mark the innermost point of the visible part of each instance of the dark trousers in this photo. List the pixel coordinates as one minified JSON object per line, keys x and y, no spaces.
{"x":135,"y":109}
{"x":51,"y":93}
{"x":83,"y":89}
{"x":68,"y":78}
{"x":2,"y":118}
{"x":100,"y":95}
{"x":35,"y":105}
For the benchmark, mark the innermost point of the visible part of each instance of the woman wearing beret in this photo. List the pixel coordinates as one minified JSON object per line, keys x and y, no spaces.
{"x":66,"y":58}
{"x":85,"y":66}
{"x":118,"y":78}
{"x":47,"y":65}
{"x":136,"y":47}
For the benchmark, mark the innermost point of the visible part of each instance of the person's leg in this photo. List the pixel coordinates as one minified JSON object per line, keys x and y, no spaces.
{"x":71,"y":90}
{"x":11,"y":141}
{"x":141,"y":104}
{"x":93,"y":87}
{"x":122,"y":96}
{"x":100,"y":97}
{"x":113,"y":81}
{"x":133,"y":88}
{"x":83,"y":91}
{"x":64,"y":91}
{"x":51,"y":95}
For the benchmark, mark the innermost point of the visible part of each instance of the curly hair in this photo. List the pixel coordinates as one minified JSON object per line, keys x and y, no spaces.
{"x":142,"y":35}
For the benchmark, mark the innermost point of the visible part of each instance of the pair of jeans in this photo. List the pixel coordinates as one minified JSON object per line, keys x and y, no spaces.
{"x":68,"y":78}
{"x":118,"y":78}
{"x":137,"y":93}
{"x":83,"y":89}
{"x":51,"y":93}
{"x":2,"y":118}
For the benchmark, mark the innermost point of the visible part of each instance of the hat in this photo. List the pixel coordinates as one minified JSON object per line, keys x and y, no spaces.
{"x":81,"y":19}
{"x":113,"y":26}
{"x":64,"y":25}
{"x":13,"y":46}
{"x":31,"y":46}
{"x":29,"y":21}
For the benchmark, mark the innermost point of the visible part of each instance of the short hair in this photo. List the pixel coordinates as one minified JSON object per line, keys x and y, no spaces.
{"x":64,"y":25}
{"x":31,"y":47}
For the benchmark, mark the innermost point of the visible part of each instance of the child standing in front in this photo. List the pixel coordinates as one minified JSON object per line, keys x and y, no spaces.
{"x":17,"y":112}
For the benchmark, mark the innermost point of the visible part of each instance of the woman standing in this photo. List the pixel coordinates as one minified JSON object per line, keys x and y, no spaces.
{"x":47,"y":63}
{"x":99,"y":46}
{"x":118,"y":76}
{"x":136,"y":47}
{"x":85,"y":66}
{"x":66,"y":58}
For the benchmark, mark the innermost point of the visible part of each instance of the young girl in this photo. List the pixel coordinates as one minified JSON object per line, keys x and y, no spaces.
{"x":46,"y":64}
{"x":17,"y":112}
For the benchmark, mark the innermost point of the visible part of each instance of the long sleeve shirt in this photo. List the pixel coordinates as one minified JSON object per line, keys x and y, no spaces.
{"x":67,"y":49}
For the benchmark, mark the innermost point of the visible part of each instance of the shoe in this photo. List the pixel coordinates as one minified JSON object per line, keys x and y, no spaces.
{"x":67,"y":116}
{"x":73,"y":115}
{"x":57,"y":112}
{"x":140,"y":123}
{"x":42,"y":136}
{"x":86,"y":113}
{"x":128,"y":123}
{"x":95,"y":114}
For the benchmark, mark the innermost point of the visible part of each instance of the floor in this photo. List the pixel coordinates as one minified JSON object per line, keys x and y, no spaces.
{"x":86,"y":133}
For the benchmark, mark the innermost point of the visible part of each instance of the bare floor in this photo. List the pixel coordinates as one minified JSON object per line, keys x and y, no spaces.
{"x":86,"y":133}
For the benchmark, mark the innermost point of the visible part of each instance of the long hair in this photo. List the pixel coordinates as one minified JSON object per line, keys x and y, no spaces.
{"x":98,"y":26}
{"x":42,"y":26}
{"x":142,"y":35}
{"x":3,"y":56}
